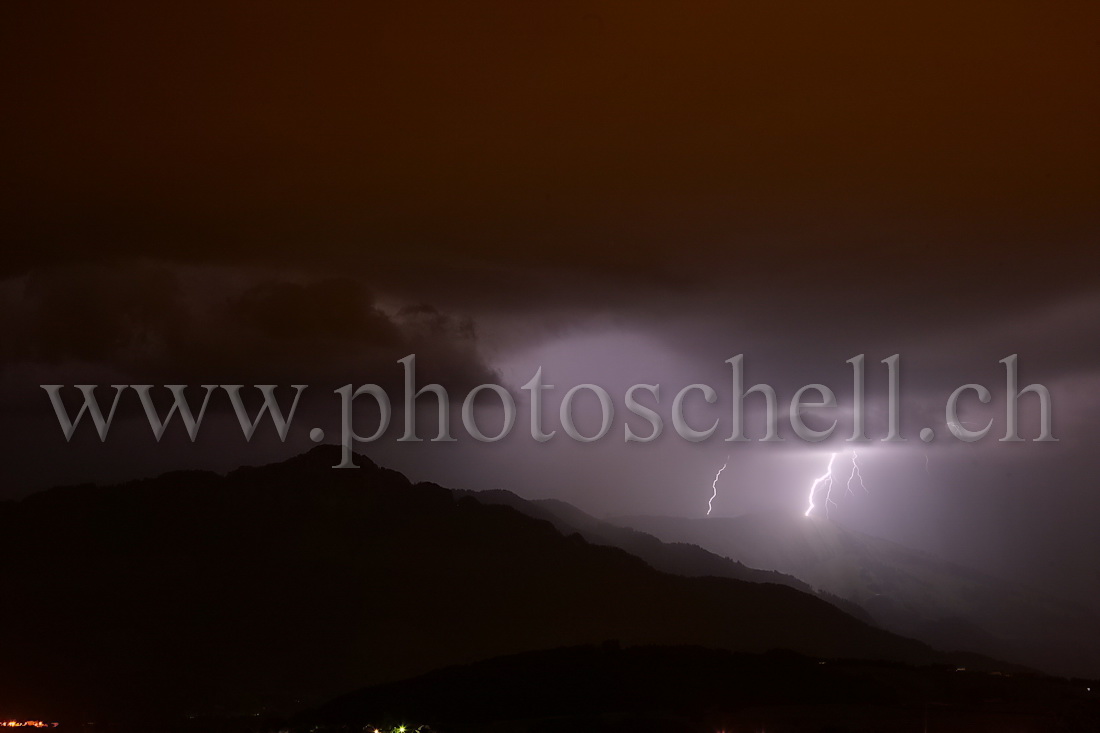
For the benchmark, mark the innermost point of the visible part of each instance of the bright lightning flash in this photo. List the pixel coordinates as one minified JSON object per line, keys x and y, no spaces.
{"x":856,"y":475}
{"x":827,"y":479}
{"x":714,"y":486}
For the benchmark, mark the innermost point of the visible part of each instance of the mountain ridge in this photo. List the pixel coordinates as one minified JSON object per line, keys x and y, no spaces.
{"x":279,"y":586}
{"x":907,"y":591}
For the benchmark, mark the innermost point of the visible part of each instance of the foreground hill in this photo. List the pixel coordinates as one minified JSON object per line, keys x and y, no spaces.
{"x":662,"y":689}
{"x":904,"y":590}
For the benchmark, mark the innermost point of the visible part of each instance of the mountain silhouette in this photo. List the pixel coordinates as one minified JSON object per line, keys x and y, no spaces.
{"x":679,"y":558}
{"x":904,"y":590}
{"x":273,"y":588}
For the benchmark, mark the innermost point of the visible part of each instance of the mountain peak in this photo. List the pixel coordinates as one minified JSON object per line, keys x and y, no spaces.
{"x":325,"y":456}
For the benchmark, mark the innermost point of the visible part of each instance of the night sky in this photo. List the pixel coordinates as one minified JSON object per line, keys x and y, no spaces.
{"x":617,"y":192}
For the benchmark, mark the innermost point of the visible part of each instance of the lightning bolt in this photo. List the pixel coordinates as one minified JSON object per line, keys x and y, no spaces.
{"x":855,"y":475}
{"x":714,"y":486}
{"x":827,"y":479}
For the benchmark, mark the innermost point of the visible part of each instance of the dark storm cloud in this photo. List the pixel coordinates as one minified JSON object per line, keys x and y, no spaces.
{"x":800,"y":182}
{"x":93,"y":314}
{"x":148,"y":322}
{"x":315,"y":312}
